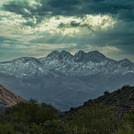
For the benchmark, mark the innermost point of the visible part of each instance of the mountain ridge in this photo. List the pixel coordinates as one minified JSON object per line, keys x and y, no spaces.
{"x":54,"y":53}
{"x":63,"y":78}
{"x":65,"y":63}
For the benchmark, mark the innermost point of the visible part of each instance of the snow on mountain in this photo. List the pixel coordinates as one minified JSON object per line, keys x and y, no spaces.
{"x":63,"y":79}
{"x":25,"y":67}
{"x":93,"y":56}
{"x":81,"y":64}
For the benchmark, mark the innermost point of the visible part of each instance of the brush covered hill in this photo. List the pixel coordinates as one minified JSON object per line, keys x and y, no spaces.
{"x":104,"y":115}
{"x":122,"y":99}
{"x":8,"y":98}
{"x":112,"y":113}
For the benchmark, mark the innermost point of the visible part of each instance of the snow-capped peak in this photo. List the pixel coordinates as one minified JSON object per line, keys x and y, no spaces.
{"x":63,"y":55}
{"x":54,"y":54}
{"x":94,"y":56}
{"x":79,"y":56}
{"x":126,"y":62}
{"x":64,"y":63}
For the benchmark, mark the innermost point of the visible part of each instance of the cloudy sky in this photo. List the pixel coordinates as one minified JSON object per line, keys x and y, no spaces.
{"x":36,"y":27}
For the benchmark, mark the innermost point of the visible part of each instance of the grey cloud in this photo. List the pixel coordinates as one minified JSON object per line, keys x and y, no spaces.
{"x":24,"y":9}
{"x":6,"y":40}
{"x":11,"y":42}
{"x":18,"y":7}
{"x":124,"y":9}
{"x":121,"y":37}
{"x":55,"y":39}
{"x":74,"y":24}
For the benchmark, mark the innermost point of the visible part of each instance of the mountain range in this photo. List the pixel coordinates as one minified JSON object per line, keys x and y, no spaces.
{"x":65,"y":80}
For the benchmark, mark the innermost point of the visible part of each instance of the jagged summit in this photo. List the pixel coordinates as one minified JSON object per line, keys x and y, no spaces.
{"x":96,"y":53}
{"x":54,"y":54}
{"x":80,"y":52}
{"x":94,"y":56}
{"x":126,"y":62}
{"x":8,"y":98}
{"x":81,"y":64}
{"x":65,"y":55}
{"x":59,"y":55}
{"x":80,"y":56}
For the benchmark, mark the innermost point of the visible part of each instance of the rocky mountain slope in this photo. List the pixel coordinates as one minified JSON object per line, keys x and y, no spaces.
{"x":65,"y":80}
{"x":8,"y":98}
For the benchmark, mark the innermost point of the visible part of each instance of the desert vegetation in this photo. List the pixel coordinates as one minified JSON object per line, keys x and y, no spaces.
{"x":32,"y":118}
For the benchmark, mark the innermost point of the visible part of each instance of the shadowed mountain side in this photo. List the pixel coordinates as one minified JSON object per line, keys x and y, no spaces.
{"x":8,"y":98}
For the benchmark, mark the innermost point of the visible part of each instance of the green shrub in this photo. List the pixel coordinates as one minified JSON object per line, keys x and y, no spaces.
{"x":98,"y":119}
{"x":126,"y":129}
{"x":106,"y":93}
{"x":31,"y":112}
{"x":33,"y":118}
{"x":7,"y":129}
{"x":126,"y":86}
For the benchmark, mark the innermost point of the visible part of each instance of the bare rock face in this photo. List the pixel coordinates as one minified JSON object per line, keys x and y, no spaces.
{"x":8,"y":98}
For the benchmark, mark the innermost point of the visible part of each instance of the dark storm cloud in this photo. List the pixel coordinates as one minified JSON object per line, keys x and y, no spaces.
{"x":21,"y":8}
{"x":74,"y":24}
{"x":18,"y":7}
{"x":121,"y":35}
{"x":124,"y":9}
